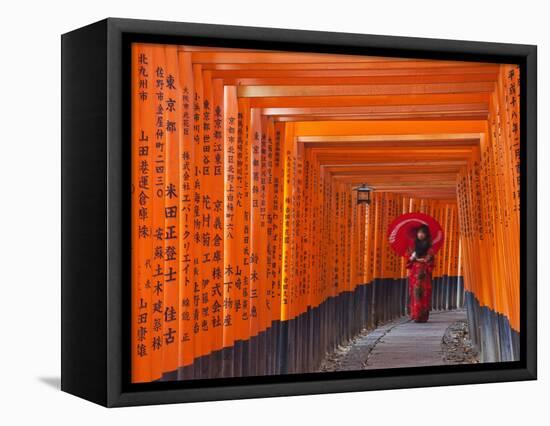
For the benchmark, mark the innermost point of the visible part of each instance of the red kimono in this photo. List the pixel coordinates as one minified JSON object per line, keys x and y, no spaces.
{"x":420,"y":285}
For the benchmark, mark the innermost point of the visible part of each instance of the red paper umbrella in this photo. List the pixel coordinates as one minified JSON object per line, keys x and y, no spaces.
{"x":402,"y":231}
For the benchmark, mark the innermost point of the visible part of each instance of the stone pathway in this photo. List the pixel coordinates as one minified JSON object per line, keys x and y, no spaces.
{"x":412,"y":344}
{"x":401,"y":343}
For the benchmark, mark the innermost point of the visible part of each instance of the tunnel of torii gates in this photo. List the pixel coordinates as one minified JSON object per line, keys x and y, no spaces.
{"x":250,"y":253}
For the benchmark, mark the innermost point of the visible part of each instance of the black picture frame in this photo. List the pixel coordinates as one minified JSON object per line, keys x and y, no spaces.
{"x":95,"y":212}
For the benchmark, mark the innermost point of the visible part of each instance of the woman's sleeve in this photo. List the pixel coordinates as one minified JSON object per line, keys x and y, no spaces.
{"x":409,"y":263}
{"x":430,"y":261}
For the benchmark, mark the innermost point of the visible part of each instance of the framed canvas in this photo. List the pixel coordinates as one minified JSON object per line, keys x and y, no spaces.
{"x":253,"y":212}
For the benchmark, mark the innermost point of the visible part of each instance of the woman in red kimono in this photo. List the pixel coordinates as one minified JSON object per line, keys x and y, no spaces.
{"x":420,"y":265}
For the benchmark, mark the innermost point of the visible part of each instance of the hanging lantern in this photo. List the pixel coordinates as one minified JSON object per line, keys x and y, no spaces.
{"x":363,"y":194}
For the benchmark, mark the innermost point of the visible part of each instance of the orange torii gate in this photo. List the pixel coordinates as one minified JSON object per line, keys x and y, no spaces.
{"x":250,"y":253}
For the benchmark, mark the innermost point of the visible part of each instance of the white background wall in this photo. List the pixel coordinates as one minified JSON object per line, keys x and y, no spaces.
{"x":30,"y":211}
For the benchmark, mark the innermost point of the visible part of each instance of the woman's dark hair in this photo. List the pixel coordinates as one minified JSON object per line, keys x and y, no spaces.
{"x":421,"y":246}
